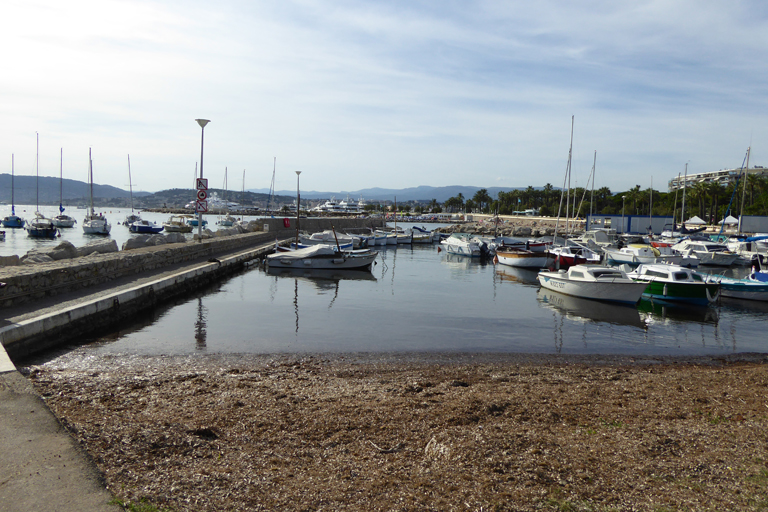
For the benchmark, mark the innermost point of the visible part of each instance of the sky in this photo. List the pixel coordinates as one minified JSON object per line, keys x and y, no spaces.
{"x":391,"y":94}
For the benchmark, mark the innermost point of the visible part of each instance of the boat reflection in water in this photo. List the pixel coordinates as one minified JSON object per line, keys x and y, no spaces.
{"x":524,"y":276}
{"x":586,"y":310}
{"x":655,"y":312}
{"x":324,"y":280}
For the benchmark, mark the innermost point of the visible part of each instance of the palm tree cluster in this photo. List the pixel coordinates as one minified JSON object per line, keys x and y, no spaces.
{"x":707,"y":200}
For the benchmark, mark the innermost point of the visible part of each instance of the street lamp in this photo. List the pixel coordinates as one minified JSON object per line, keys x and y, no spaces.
{"x":298,"y":202}
{"x":623,"y":200}
{"x":202,"y":123}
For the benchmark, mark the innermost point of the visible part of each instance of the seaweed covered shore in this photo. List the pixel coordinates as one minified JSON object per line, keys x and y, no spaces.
{"x":510,"y":433}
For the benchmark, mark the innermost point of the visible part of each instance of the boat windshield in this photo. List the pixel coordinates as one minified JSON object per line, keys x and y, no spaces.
{"x":680,"y":276}
{"x":607,"y":274}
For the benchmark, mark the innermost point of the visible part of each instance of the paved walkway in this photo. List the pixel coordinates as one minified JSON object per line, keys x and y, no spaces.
{"x":41,"y":465}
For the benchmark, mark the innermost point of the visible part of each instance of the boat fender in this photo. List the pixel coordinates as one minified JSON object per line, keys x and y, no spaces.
{"x":665,"y":290}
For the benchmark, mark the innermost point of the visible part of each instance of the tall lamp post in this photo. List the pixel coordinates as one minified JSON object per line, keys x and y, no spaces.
{"x":298,"y":202}
{"x":623,"y":200}
{"x":202,"y":123}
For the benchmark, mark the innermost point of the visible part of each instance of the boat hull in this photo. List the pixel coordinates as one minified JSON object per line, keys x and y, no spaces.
{"x":346,"y":261}
{"x":608,"y":291}
{"x":13,"y":221}
{"x":700,"y":294}
{"x":63,"y":221}
{"x":522,"y":259}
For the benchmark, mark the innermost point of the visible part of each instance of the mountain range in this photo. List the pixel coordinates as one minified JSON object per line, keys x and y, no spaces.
{"x":422,"y":193}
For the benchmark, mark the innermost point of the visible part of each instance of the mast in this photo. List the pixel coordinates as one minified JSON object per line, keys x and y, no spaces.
{"x":674,"y":210}
{"x":13,"y":204}
{"x":650,"y":211}
{"x":90,"y":177}
{"x":685,"y":182}
{"x":568,"y":192}
{"x":37,"y":173}
{"x":271,"y":197}
{"x":562,"y":192}
{"x":242,"y":200}
{"x":592,"y":195}
{"x":130,"y":182}
{"x":61,"y":182}
{"x":743,"y":192}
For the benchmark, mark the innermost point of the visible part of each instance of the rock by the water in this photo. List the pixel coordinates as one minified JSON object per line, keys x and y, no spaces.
{"x":99,"y":246}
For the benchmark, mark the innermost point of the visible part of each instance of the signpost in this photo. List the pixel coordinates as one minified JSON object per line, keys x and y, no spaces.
{"x":201,"y":205}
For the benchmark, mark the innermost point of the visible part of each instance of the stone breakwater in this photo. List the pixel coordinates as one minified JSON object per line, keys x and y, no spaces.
{"x":26,"y":283}
{"x":512,"y":226}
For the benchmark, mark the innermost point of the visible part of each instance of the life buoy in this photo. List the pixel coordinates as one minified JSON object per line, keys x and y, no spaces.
{"x":286,"y":222}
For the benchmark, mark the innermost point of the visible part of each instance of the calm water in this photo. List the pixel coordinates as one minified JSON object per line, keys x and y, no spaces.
{"x":17,"y":241}
{"x":422,"y":300}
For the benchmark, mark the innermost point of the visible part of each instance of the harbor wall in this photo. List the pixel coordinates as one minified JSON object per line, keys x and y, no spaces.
{"x":28,"y":283}
{"x":29,"y":336}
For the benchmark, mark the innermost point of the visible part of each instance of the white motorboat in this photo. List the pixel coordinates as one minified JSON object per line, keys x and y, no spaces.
{"x":636,"y":254}
{"x":517,"y":257}
{"x":463,"y":245}
{"x":322,"y":256}
{"x":177,"y":224}
{"x":572,"y":254}
{"x":328,"y":237}
{"x":709,"y":253}
{"x":594,"y":282}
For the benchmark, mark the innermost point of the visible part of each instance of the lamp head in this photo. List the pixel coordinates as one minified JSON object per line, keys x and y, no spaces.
{"x":202,"y":122}
{"x":298,"y":172}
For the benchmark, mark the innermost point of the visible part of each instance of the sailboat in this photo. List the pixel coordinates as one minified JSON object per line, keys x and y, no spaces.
{"x":228,"y":220}
{"x":61,"y":220}
{"x":13,"y":220}
{"x":94,"y":223}
{"x":133,"y":217}
{"x":41,"y":226}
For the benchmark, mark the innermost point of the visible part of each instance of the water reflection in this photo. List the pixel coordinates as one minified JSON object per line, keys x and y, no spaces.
{"x":201,"y":325}
{"x":524,"y":276}
{"x":659,"y":312}
{"x":323,"y":280}
{"x":580,"y":310}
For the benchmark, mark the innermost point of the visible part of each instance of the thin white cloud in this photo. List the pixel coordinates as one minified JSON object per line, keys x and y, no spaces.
{"x":360,"y":94}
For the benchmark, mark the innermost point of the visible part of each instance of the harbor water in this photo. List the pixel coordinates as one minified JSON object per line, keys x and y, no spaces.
{"x":422,"y":300}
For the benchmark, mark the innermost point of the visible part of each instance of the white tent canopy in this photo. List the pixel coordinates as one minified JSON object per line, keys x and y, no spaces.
{"x":730,"y":220}
{"x":695,"y":220}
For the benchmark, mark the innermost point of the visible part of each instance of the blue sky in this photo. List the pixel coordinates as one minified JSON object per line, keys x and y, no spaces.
{"x":360,"y":94}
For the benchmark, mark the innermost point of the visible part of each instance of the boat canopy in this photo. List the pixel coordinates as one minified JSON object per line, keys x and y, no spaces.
{"x":312,"y":251}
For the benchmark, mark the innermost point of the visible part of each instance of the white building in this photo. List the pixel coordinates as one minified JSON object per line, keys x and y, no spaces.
{"x":724,"y":177}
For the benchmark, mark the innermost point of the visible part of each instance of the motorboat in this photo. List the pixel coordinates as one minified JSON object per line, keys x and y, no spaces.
{"x":709,"y":253}
{"x":464,"y":245}
{"x":673,"y":283}
{"x":572,"y":254}
{"x":177,"y":224}
{"x":594,"y":282}
{"x":323,"y":257}
{"x":328,"y":237}
{"x":503,"y":242}
{"x":752,"y":287}
{"x":520,"y":257}
{"x":227,"y":221}
{"x":145,"y":226}
{"x":636,"y":254}
{"x":131,"y":218}
{"x":192,"y":221}
{"x":686,"y":260}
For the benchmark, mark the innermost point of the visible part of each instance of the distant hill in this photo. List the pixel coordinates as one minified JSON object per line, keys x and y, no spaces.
{"x":423,"y":193}
{"x":73,"y":191}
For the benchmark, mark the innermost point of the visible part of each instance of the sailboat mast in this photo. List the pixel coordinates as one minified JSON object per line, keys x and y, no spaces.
{"x":271,"y":198}
{"x":61,"y":182}
{"x":674,"y":210}
{"x":13,"y":203}
{"x":568,"y":172}
{"x":592,"y":195}
{"x":562,"y":192}
{"x":130,"y":182}
{"x":650,"y":211}
{"x":242,"y":200}
{"x":685,"y":183}
{"x":744,"y":191}
{"x":37,"y":173}
{"x":90,"y":176}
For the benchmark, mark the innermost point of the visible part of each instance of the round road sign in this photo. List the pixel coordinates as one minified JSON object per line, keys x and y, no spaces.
{"x":202,"y":195}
